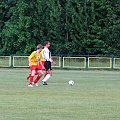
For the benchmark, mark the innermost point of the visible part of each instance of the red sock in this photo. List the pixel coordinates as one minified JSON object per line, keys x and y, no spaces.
{"x":37,"y":79}
{"x":29,"y":75}
{"x":36,"y":73}
{"x":31,"y":79}
{"x":45,"y":74}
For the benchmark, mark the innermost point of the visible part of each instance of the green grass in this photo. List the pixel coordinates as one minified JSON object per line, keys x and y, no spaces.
{"x":95,"y":96}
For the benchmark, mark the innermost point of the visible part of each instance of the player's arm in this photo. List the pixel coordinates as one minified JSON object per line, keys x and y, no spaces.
{"x":30,"y":57}
{"x":29,"y":61}
{"x":53,"y":62}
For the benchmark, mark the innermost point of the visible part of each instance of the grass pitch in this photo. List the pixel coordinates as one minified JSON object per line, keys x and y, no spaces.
{"x":95,"y":96}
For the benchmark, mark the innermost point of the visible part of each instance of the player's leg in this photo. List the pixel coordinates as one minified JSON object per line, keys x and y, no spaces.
{"x":40,"y":74}
{"x":46,"y":78}
{"x":40,"y":69}
{"x":48,"y":72}
{"x":33,"y":70}
{"x":46,"y":65}
{"x":36,"y":73}
{"x":31,"y":78}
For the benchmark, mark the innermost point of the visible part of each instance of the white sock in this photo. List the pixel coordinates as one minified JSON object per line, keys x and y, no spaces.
{"x":46,"y":78}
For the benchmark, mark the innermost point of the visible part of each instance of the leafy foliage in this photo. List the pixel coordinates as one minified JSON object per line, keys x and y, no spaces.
{"x":73,"y":27}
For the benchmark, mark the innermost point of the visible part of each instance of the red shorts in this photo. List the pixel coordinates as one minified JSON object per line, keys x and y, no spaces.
{"x":38,"y":67}
{"x":35,"y":67}
{"x":43,"y":62}
{"x":41,"y":67}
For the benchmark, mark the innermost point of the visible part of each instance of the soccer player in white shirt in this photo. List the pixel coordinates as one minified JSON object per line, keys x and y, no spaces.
{"x":48,"y":60}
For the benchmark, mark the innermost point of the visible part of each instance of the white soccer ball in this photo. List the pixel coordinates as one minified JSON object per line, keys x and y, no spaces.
{"x":71,"y":82}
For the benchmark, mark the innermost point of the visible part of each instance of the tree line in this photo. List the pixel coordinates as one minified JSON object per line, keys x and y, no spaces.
{"x":72,"y":26}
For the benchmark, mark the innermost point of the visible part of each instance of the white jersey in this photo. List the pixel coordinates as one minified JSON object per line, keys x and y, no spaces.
{"x":47,"y":55}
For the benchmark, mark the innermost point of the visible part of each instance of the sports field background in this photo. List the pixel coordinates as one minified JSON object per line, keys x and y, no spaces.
{"x":95,"y":96}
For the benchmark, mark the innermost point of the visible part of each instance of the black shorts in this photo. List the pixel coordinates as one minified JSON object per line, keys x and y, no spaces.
{"x":47,"y":65}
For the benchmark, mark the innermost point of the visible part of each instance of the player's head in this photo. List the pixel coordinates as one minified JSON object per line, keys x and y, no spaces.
{"x":47,"y":44}
{"x":39,"y":47}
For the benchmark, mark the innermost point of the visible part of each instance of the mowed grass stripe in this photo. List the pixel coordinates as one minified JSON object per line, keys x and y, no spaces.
{"x":95,"y":95}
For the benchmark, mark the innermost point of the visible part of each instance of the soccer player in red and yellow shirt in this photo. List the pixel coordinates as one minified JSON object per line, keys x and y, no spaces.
{"x":41,"y":64}
{"x":35,"y":65}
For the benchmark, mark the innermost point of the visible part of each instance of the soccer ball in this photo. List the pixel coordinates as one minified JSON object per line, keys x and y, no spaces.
{"x":71,"y":82}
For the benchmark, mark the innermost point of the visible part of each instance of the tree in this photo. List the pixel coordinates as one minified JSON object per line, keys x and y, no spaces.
{"x":16,"y":36}
{"x":73,"y":27}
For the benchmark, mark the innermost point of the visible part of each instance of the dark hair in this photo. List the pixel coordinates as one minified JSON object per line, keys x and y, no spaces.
{"x":39,"y":46}
{"x":46,"y":42}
